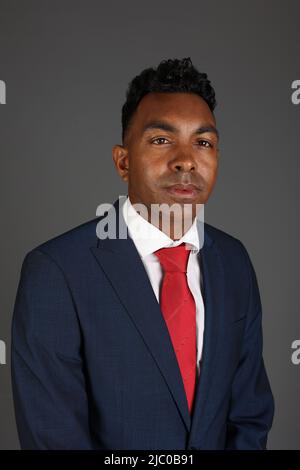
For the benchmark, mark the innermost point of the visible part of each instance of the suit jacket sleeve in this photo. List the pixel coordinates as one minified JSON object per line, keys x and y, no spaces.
{"x":48,"y":379}
{"x":252,"y":404}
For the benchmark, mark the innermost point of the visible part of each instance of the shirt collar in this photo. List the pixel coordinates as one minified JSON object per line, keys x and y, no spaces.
{"x":148,"y":238}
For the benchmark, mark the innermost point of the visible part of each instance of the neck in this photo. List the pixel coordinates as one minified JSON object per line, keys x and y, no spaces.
{"x":174,"y":220}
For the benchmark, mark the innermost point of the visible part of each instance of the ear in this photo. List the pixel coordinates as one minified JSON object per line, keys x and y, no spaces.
{"x":121,"y":161}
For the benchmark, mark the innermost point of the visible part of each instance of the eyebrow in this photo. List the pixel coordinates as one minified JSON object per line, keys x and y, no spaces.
{"x":165,"y":126}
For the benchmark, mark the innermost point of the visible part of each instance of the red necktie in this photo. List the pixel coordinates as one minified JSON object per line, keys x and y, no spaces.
{"x":179,"y":311}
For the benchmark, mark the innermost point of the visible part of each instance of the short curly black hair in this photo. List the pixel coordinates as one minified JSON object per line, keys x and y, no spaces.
{"x":170,"y":76}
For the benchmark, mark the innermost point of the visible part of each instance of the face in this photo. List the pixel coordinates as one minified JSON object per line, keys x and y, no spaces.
{"x":172,"y":140}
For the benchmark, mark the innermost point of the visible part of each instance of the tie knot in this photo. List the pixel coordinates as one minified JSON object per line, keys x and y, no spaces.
{"x":174,"y":258}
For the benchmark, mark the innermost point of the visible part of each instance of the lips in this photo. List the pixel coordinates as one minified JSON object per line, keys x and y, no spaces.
{"x":185,"y":190}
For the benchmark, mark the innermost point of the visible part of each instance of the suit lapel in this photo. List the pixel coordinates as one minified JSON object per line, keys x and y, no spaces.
{"x":121,"y":263}
{"x":213,"y":297}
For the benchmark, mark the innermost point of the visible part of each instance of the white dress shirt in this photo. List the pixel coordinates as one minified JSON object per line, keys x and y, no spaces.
{"x":156,"y":239}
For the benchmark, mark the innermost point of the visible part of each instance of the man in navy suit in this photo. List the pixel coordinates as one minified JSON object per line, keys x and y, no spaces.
{"x":94,"y":362}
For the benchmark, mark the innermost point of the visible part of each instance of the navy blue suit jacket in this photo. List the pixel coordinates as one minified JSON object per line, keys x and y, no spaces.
{"x":93,"y":365}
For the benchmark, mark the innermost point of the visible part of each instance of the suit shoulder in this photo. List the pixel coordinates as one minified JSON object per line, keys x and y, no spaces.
{"x":237,"y":262}
{"x":221,"y":236}
{"x":69,"y":243}
{"x":227,"y":243}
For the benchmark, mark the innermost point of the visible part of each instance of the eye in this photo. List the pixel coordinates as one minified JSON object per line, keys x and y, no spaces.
{"x":205,"y":143}
{"x":158,"y":139}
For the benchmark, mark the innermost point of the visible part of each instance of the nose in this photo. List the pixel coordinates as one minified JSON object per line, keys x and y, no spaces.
{"x":183,"y":161}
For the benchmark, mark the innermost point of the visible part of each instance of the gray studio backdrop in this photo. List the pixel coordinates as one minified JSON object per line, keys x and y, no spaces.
{"x":64,"y":69}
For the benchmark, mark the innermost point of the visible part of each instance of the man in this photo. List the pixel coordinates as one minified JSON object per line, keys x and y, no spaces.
{"x":152,"y":340}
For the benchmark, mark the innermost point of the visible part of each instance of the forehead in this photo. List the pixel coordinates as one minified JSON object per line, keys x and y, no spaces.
{"x":173,"y":106}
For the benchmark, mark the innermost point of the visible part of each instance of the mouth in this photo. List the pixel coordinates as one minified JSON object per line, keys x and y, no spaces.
{"x":189,"y":191}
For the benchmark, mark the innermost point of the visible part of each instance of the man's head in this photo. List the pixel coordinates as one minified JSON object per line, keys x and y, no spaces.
{"x":169,"y":136}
